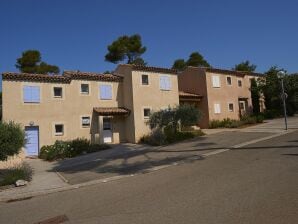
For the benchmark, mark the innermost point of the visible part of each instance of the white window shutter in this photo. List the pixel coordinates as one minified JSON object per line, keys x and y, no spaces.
{"x":215,"y":81}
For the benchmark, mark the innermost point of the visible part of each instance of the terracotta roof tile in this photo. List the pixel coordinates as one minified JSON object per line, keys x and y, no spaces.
{"x":92,"y":76}
{"x":35,"y":77}
{"x":226,"y":71}
{"x":111,"y":110}
{"x":65,"y":78}
{"x":153,"y":69}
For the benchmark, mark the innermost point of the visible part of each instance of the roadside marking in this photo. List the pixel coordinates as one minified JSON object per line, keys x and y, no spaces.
{"x":261,"y":139}
{"x":215,"y":152}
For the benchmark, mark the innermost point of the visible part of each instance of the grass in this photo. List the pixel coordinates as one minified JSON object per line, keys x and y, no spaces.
{"x":11,"y":175}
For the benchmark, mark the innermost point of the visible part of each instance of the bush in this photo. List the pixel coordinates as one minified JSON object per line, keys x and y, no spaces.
{"x":10,"y":176}
{"x":158,"y":137}
{"x":270,"y":114}
{"x":231,"y":123}
{"x":12,"y":139}
{"x":155,"y":138}
{"x":260,"y":118}
{"x":248,"y":119}
{"x":69,"y":149}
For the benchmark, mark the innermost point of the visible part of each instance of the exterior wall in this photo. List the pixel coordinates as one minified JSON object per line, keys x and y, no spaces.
{"x":193,"y":80}
{"x":128,"y":101}
{"x":198,"y":81}
{"x":138,"y":96}
{"x":152,"y":97}
{"x":67,"y":110}
{"x":227,"y":94}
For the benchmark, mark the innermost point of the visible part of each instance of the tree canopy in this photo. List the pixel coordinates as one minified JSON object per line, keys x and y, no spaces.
{"x":195,"y":59}
{"x":126,"y":49}
{"x":271,"y":88}
{"x":30,"y":62}
{"x":185,"y":114}
{"x":245,"y":66}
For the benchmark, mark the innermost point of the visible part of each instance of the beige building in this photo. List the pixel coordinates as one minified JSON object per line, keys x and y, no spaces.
{"x":108,"y":108}
{"x":218,"y":93}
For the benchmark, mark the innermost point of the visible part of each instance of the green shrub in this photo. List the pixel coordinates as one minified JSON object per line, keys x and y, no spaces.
{"x":248,"y":119}
{"x":78,"y":146}
{"x":260,"y":118}
{"x":158,"y":137}
{"x":69,"y":149}
{"x":10,"y":176}
{"x":215,"y":124}
{"x":12,"y":139}
{"x":270,"y":114}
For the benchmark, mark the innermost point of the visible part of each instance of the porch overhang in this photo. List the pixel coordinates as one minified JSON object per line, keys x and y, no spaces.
{"x":186,"y":96}
{"x":243,"y":98}
{"x":111,"y":111}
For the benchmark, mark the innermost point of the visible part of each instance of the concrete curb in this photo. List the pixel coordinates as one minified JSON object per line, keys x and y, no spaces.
{"x":150,"y":170}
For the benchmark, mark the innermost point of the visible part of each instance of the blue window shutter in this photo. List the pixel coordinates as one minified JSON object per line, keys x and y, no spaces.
{"x":161,"y":82}
{"x":26,"y":94}
{"x":109,"y":92}
{"x":168,"y":83}
{"x":105,"y":92}
{"x":35,"y":94}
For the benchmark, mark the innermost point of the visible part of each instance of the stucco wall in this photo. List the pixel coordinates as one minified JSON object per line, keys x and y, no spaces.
{"x":227,"y":94}
{"x":193,"y":80}
{"x":50,"y":110}
{"x":152,"y":97}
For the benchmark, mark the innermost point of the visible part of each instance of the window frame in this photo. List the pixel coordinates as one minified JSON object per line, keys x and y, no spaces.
{"x":81,"y":121}
{"x":167,"y":86}
{"x":100,"y":96}
{"x":228,"y":82}
{"x":31,"y":102}
{"x":142,"y":83}
{"x":143,"y":112}
{"x":56,"y":87}
{"x":85,"y":93}
{"x":59,"y":133}
{"x":213,"y":83}
{"x":241,"y":81}
{"x":230,"y":103}
{"x":215,"y":109}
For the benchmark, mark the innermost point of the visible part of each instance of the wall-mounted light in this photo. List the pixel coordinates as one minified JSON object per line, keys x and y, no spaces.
{"x":31,"y":123}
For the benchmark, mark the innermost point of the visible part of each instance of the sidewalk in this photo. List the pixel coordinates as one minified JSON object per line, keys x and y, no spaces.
{"x":42,"y":180}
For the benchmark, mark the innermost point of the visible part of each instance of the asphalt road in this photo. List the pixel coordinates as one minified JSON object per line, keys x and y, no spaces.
{"x":255,"y":184}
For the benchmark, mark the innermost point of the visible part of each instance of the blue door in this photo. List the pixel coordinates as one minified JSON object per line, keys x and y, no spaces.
{"x":31,"y":146}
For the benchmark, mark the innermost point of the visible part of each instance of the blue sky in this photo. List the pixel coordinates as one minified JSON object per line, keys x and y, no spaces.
{"x":75,"y":34}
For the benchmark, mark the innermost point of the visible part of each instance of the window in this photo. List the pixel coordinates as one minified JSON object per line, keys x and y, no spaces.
{"x":85,"y":88}
{"x":107,"y":123}
{"x":229,"y":80}
{"x":86,"y":121}
{"x":105,"y":92}
{"x":59,"y":129}
{"x":231,"y":107}
{"x":145,"y":80}
{"x":239,"y":83}
{"x":58,"y":92}
{"x":146,"y":113}
{"x":215,"y":81}
{"x":31,"y":94}
{"x":242,"y":105}
{"x":165,"y":82}
{"x":217,"y":108}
